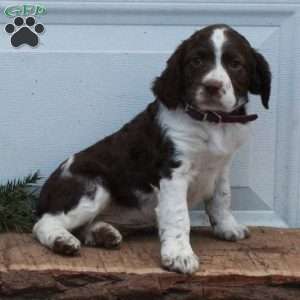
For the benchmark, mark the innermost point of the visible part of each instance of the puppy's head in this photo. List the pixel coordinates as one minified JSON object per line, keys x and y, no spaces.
{"x":213,"y":70}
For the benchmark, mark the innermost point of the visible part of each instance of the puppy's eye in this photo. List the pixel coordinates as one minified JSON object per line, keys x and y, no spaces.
{"x":235,"y":64}
{"x":197,"y":62}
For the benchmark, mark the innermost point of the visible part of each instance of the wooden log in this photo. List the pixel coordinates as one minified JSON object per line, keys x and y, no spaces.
{"x":266,"y":266}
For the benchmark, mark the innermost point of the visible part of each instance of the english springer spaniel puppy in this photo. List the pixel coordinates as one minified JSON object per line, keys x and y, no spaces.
{"x":172,"y":155}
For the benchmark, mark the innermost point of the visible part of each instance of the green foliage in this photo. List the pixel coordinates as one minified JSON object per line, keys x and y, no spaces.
{"x":17,"y":202}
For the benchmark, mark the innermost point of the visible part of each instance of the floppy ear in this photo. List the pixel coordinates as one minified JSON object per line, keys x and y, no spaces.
{"x":261,"y":79}
{"x":168,"y":87}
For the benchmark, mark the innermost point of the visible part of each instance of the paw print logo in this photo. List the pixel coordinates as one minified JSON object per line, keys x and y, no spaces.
{"x":24,"y":31}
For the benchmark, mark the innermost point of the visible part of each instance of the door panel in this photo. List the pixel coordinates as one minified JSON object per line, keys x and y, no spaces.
{"x":93,"y":70}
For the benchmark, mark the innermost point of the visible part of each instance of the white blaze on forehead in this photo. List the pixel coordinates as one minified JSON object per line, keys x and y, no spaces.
{"x":218,"y":72}
{"x":218,"y":38}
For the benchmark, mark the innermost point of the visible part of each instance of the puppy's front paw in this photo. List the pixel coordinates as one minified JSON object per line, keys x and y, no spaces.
{"x":184,"y":261}
{"x":231,"y":231}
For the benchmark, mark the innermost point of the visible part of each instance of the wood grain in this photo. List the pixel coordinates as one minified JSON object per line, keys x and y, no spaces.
{"x":266,"y":266}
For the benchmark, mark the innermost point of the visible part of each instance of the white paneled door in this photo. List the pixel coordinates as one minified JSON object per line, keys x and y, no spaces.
{"x":92,"y":71}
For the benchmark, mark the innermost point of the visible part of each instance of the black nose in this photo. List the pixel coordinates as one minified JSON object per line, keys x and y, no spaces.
{"x":212,"y":86}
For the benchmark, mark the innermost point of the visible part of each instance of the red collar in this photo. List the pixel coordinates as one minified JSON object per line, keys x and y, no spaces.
{"x":218,"y":117}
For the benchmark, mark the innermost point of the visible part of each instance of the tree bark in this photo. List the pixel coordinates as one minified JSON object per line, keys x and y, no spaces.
{"x":265,"y":266}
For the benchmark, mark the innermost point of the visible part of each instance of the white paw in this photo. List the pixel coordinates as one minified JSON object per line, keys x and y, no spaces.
{"x":230,"y":230}
{"x":66,"y":244}
{"x":183,"y":261}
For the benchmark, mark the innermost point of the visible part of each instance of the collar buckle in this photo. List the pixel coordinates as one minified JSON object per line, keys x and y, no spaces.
{"x":188,"y":107}
{"x":220,"y":119}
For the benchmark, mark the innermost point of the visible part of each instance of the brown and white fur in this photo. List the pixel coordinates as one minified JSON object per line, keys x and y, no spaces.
{"x":163,"y":162}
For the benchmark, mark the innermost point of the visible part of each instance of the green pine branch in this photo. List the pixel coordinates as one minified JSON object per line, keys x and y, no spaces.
{"x":17,"y":202}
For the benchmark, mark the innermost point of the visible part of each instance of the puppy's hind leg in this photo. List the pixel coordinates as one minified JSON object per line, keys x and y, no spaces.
{"x":101,"y":234}
{"x":54,"y":230}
